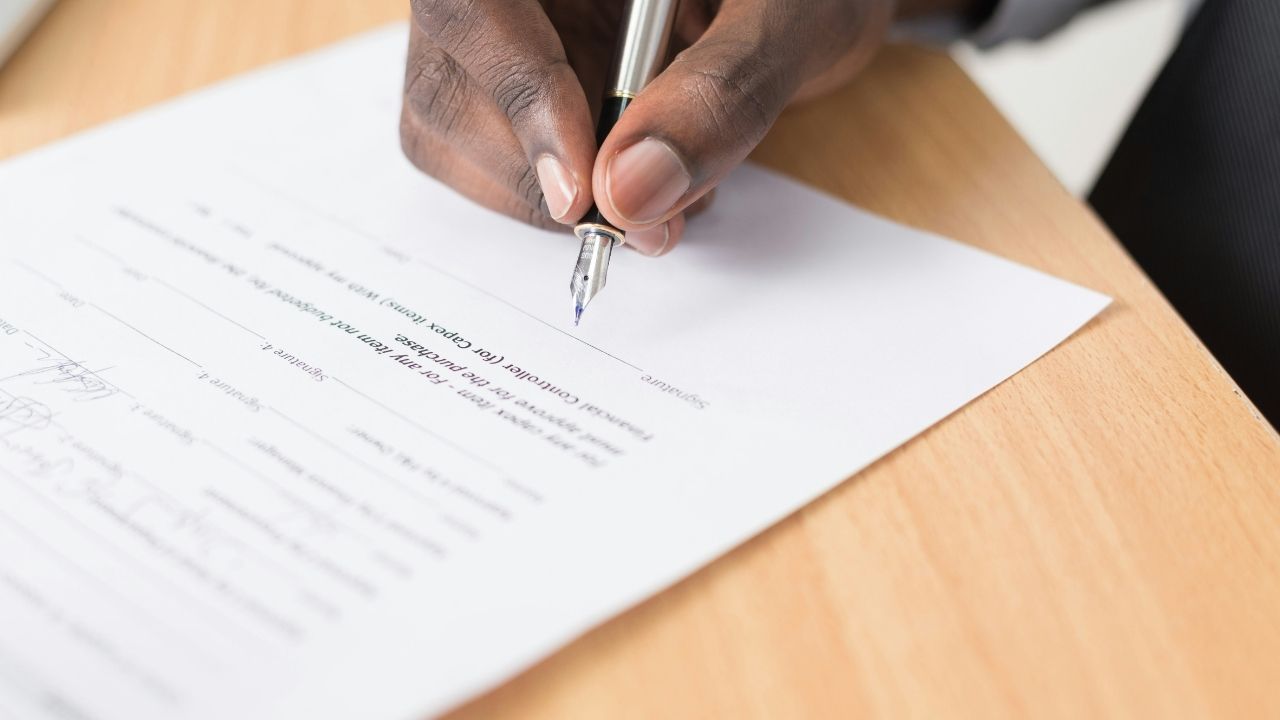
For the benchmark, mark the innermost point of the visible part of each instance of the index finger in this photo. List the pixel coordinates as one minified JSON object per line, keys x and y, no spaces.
{"x":514,"y":54}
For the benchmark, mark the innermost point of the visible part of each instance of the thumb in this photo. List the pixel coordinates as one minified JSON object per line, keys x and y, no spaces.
{"x":716,"y":101}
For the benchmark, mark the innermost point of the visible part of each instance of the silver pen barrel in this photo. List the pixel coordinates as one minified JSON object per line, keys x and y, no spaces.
{"x":642,"y":45}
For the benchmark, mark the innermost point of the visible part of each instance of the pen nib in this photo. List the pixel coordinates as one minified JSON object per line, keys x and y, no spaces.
{"x":592,"y":268}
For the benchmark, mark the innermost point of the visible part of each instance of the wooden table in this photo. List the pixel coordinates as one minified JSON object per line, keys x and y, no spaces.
{"x":1098,"y":536}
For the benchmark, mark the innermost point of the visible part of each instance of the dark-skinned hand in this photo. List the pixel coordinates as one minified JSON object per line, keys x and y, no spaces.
{"x":500,"y":97}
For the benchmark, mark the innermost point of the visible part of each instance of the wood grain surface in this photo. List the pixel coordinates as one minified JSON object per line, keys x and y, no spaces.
{"x":1099,"y":536}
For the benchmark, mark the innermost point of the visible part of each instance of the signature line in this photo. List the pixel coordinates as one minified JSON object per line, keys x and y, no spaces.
{"x":111,"y":315}
{"x":206,"y":307}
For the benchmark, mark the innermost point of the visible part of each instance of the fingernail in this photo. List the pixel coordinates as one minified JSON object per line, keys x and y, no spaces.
{"x":558,"y":186}
{"x":652,"y":242}
{"x":646,"y":180}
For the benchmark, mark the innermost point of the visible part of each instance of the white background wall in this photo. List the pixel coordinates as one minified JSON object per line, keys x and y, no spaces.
{"x":1072,"y":94}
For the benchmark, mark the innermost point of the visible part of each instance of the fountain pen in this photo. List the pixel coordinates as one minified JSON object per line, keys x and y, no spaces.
{"x":642,"y":48}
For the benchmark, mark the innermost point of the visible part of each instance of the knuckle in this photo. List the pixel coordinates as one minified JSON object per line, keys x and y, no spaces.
{"x":519,"y":85}
{"x":447,"y":21}
{"x":739,"y":96}
{"x":515,"y":96}
{"x":518,"y":72}
{"x":435,"y":90}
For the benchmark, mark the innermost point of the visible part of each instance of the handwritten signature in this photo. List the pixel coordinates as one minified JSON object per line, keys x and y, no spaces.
{"x":22,"y":413}
{"x":68,"y":375}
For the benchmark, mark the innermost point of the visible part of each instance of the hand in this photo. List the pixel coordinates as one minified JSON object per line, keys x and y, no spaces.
{"x":500,"y":96}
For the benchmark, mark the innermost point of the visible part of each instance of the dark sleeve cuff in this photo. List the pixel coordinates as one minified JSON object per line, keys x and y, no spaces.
{"x":1026,"y":20}
{"x":1010,"y":20}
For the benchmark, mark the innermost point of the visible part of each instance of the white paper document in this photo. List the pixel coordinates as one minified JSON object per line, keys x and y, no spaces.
{"x":290,"y":431}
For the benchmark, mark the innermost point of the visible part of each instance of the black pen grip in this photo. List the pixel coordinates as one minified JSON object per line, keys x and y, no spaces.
{"x":610,"y":113}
